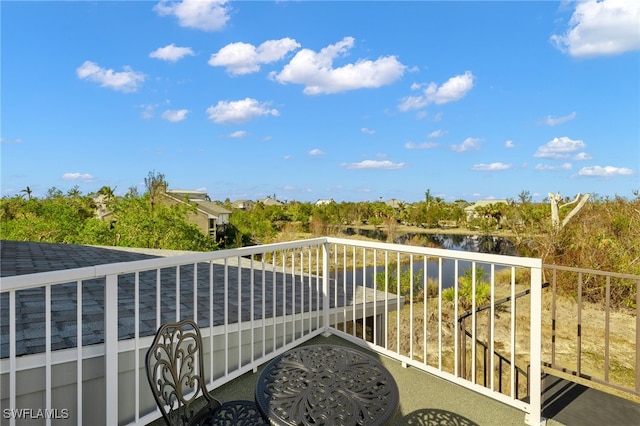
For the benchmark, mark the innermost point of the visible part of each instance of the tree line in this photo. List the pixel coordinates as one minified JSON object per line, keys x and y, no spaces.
{"x":603,"y":234}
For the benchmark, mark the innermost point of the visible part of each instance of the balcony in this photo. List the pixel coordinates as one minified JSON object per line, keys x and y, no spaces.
{"x":254,"y":303}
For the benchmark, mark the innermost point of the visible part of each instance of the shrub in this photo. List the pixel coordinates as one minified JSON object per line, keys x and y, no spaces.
{"x":465,"y":289}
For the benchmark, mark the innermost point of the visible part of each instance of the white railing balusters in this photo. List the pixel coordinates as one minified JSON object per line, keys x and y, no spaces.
{"x":252,"y":309}
{"x":512,"y":355}
{"x":474,"y":317}
{"x":136,"y":326}
{"x":158,"y":299}
{"x":12,"y":354}
{"x":326,"y":258}
{"x":195,"y":292}
{"x":239,"y":309}
{"x":456,"y":315}
{"x":354,"y":298}
{"x":211,"y":313}
{"x":398,"y":328}
{"x":79,"y":357}
{"x":425,"y":318}
{"x":47,"y":351}
{"x":490,"y":337}
{"x":375,"y":298}
{"x":177,"y":284}
{"x":226,"y":314}
{"x":274,"y":305}
{"x":386,"y":299}
{"x":263,"y":287}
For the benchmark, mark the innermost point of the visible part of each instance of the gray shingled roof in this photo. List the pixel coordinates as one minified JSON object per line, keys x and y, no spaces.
{"x":19,"y":258}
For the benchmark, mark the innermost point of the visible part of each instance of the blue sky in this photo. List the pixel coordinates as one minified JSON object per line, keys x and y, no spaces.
{"x":355,"y":101}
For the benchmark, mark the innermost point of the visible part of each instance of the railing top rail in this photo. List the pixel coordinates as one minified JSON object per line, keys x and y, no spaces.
{"x":21,"y":282}
{"x":591,"y":271}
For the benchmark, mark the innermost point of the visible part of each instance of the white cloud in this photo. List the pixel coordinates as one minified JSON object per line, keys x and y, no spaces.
{"x":147,"y":110}
{"x":315,"y":70}
{"x":467,"y":144}
{"x":175,"y":115}
{"x":559,"y":148}
{"x":84,"y":177}
{"x":509,"y":144}
{"x":437,"y":133}
{"x":239,"y":111}
{"x":453,"y":89}
{"x":607,"y":27}
{"x":493,"y":167}
{"x":244,"y":58}
{"x":565,"y":166}
{"x":582,"y":156}
{"x":238,"y":134}
{"x":207,"y":15}
{"x":171,"y":53}
{"x":315,"y":152}
{"x":607,"y":171}
{"x":375,"y":164}
{"x":367,"y":131}
{"x":423,"y":145}
{"x":125,"y":81}
{"x":554,"y":121}
{"x":10,"y":141}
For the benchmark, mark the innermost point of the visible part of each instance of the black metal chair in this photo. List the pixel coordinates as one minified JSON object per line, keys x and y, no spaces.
{"x":175,"y":370}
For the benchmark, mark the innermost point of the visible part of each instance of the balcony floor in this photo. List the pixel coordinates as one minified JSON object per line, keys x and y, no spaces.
{"x":422,"y":396}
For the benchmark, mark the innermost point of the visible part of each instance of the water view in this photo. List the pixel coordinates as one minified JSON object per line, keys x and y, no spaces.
{"x":431,"y":269}
{"x":471,"y":243}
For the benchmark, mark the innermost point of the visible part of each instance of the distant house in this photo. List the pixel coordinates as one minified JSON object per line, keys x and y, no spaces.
{"x":243,"y":204}
{"x":471,"y":212}
{"x":102,"y":212}
{"x":210,"y":217}
{"x":324,"y":202}
{"x":271,"y":202}
{"x":394,"y":203}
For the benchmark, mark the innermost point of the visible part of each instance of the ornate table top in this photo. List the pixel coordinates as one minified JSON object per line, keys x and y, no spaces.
{"x":326,"y":385}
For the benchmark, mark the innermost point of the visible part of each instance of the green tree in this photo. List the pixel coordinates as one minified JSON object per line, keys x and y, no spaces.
{"x":27,"y":191}
{"x":156,"y":185}
{"x":107,"y":192}
{"x":401,"y":280}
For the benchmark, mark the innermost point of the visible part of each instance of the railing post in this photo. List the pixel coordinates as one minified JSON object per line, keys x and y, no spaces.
{"x":325,"y":286}
{"x":111,"y":349}
{"x":534,"y":417}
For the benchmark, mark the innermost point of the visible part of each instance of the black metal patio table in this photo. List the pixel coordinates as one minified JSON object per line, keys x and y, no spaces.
{"x":326,"y":385}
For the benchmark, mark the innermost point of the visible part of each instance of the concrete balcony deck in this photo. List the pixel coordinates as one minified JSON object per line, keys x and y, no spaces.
{"x":428,"y":400}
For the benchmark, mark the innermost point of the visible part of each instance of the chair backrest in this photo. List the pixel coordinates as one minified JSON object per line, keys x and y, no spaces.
{"x":175,"y":370}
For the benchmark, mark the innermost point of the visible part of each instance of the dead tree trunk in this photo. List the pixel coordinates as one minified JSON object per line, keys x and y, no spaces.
{"x":555,"y":208}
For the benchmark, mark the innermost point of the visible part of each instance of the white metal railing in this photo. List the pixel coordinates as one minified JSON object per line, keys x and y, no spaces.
{"x":252,"y":304}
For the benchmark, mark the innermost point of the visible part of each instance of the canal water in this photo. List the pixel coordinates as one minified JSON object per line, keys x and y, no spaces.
{"x":446,"y":270}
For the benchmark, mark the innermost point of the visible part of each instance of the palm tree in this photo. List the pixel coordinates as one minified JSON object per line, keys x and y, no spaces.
{"x":74,"y":192}
{"x":27,"y":191}
{"x":107,"y":192}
